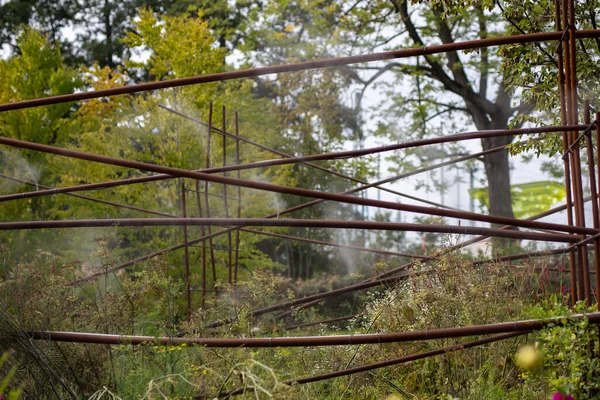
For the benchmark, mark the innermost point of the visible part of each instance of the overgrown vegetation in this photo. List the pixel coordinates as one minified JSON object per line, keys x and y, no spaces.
{"x":298,"y":113}
{"x":33,"y":295}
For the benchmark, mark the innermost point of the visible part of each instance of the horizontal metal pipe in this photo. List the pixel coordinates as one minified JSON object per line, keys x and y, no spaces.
{"x":412,"y":357}
{"x":276,"y":215}
{"x":303,"y":159}
{"x":320,"y":296}
{"x":521,"y":256}
{"x":535,"y":217}
{"x":302,"y":341}
{"x":456,"y":247}
{"x":285,"y":155}
{"x":80,"y":196}
{"x":291,"y":190}
{"x":344,"y":246}
{"x":387,"y":363}
{"x":314,"y":300}
{"x":397,"y":146}
{"x":300,"y":223}
{"x":301,"y":66}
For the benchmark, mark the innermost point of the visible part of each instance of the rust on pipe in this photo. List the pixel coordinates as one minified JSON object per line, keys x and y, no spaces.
{"x":237,"y":138}
{"x":207,"y":204}
{"x":302,"y":341}
{"x":345,"y":246}
{"x":566,"y":162}
{"x":594,"y":190}
{"x":387,"y":363}
{"x":188,"y":293}
{"x":225,"y":204}
{"x":301,"y":66}
{"x":325,"y":156}
{"x":80,"y":196}
{"x":203,"y":231}
{"x":239,"y":197}
{"x":300,"y":223}
{"x":576,"y":160}
{"x":293,"y":191}
{"x":597,"y":263}
{"x":296,"y":208}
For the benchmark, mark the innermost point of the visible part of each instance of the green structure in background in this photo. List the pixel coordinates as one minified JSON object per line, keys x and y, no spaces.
{"x":527,"y":198}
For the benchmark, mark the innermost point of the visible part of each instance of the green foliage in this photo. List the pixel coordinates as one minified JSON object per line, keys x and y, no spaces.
{"x":567,"y":348}
{"x":12,"y":394}
{"x":532,"y":70}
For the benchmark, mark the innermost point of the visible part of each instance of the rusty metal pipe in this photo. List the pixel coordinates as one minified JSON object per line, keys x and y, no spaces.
{"x":290,"y":190}
{"x":239,"y":138}
{"x":566,"y":163}
{"x":80,"y":196}
{"x":239,"y":197}
{"x":300,"y":223}
{"x":188,"y":294}
{"x":383,"y":364}
{"x":206,"y":200}
{"x":594,"y":191}
{"x":302,"y":341}
{"x":301,"y":66}
{"x":303,"y":159}
{"x":203,"y":232}
{"x":225,"y":202}
{"x":578,"y":182}
{"x":345,"y":246}
{"x":597,"y":263}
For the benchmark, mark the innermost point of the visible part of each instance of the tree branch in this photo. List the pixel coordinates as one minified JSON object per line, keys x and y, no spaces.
{"x":483,"y":77}
{"x":437,"y":72}
{"x":454,"y":62}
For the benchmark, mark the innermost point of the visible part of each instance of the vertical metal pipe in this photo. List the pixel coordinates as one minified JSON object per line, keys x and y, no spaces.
{"x":562,"y":67}
{"x":590,"y":155}
{"x":569,"y":107}
{"x":239,"y":196}
{"x":225,"y":204}
{"x":597,"y":265}
{"x":186,"y":254}
{"x":210,"y":241}
{"x":199,"y":202}
{"x":576,"y":159}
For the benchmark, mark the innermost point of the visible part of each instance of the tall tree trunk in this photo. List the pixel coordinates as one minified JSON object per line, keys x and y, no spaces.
{"x":497,"y":169}
{"x":497,"y":165}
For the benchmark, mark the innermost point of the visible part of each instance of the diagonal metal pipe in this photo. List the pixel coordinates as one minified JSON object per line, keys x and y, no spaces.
{"x":291,"y":190}
{"x":301,"y":66}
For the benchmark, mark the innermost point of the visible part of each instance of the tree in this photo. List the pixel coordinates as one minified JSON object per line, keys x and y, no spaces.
{"x":468,"y":88}
{"x":98,"y":26}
